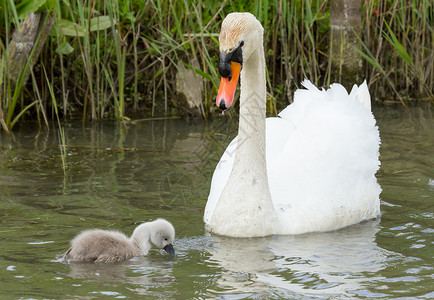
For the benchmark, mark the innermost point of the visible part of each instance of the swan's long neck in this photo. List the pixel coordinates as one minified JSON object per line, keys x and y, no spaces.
{"x":245,"y":207}
{"x":251,"y":130}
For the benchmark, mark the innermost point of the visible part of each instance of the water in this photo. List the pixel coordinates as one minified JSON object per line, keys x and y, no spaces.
{"x":118,"y":177}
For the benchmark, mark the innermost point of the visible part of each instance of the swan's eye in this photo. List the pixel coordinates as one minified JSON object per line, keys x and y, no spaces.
{"x":242,"y":43}
{"x":165,"y":239}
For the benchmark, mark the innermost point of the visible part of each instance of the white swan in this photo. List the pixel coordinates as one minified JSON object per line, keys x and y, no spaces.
{"x":311,"y":169}
{"x":111,"y":246}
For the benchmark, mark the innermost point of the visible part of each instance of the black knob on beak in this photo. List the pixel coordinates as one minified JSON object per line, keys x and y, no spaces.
{"x":224,"y":65}
{"x":222,"y":105}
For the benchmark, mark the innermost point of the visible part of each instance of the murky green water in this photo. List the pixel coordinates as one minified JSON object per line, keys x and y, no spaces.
{"x":118,"y":177}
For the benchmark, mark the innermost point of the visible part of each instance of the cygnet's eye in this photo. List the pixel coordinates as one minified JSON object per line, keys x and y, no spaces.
{"x":165,"y":239}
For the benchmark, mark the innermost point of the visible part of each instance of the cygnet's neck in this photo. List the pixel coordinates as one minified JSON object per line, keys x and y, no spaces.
{"x":245,"y":207}
{"x":141,"y":237}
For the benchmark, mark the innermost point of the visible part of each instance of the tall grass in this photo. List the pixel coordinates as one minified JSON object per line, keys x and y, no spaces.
{"x":118,"y":59}
{"x":62,"y":136}
{"x":400,"y":35}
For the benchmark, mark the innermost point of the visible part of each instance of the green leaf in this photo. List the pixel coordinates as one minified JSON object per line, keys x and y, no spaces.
{"x":198,"y":72}
{"x":368,"y":55}
{"x":23,"y":110}
{"x":130,"y":16}
{"x":71,"y":29}
{"x":159,"y":72}
{"x":48,"y":5}
{"x":64,"y":48}
{"x":369,"y":58}
{"x":13,"y":10}
{"x":393,"y":40}
{"x":100,"y":23}
{"x":24,"y":8}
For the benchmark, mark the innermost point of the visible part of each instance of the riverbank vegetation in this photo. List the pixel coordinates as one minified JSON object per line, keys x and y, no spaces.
{"x":119,"y":59}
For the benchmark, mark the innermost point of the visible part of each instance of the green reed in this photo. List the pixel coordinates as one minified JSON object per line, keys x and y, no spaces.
{"x":403,"y":47}
{"x":118,"y":59}
{"x":62,"y":136}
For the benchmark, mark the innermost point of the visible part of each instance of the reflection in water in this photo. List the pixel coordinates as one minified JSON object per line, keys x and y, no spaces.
{"x":166,"y":173}
{"x":147,"y":273}
{"x":334,"y":263}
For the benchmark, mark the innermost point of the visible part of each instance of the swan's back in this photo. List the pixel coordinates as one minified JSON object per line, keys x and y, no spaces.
{"x":323,"y":177}
{"x":322,"y":156}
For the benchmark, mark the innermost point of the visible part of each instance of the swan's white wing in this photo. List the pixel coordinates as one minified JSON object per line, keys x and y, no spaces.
{"x":323,"y":178}
{"x":322,"y":156}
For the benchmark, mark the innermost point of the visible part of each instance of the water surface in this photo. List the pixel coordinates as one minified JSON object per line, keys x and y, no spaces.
{"x":117,"y":177}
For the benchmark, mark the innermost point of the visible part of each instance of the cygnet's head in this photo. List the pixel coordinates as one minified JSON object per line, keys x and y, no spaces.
{"x":162,"y":235}
{"x":159,"y":232}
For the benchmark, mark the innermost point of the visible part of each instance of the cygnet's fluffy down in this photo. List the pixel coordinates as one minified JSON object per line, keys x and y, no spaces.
{"x":107,"y":246}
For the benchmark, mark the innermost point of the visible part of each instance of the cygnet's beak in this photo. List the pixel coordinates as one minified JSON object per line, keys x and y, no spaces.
{"x":169,"y":249}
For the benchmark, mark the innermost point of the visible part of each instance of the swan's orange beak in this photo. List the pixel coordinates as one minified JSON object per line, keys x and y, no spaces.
{"x":228,"y":86}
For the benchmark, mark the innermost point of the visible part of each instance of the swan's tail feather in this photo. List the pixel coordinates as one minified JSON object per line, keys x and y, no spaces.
{"x":311,"y":95}
{"x":361,"y":94}
{"x":309,"y":85}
